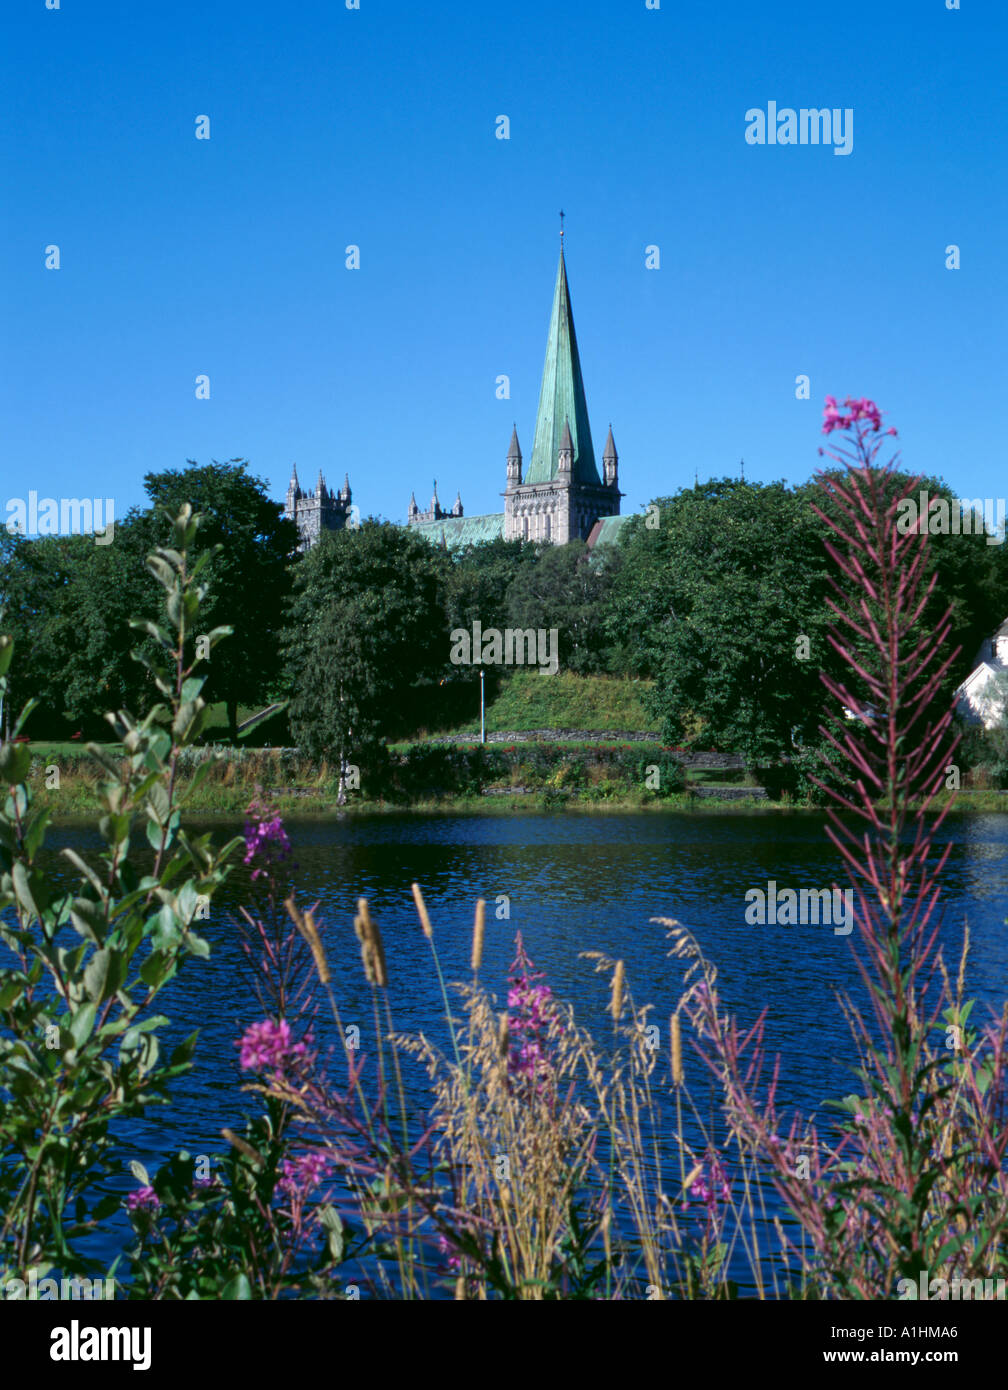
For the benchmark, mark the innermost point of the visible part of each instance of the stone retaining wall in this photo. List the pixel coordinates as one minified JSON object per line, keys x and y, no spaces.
{"x":698,"y":759}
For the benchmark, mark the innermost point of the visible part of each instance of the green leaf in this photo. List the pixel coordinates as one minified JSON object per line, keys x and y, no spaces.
{"x":140,"y":1173}
{"x":237,"y":1288}
{"x":84,"y":868}
{"x":161,"y":570}
{"x":88,"y":919}
{"x":15,"y":760}
{"x":82,"y":1024}
{"x":103,"y":975}
{"x":156,"y":835}
{"x":331,"y":1220}
{"x":35,"y":833}
{"x":9,"y":991}
{"x":182,"y":1054}
{"x":158,"y":968}
{"x":152,"y":630}
{"x":197,"y":945}
{"x":23,"y":888}
{"x":22,"y":718}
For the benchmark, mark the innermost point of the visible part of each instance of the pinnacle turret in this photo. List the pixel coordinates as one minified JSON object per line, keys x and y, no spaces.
{"x":610,"y":462}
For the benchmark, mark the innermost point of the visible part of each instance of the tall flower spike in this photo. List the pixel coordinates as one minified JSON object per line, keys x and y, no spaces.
{"x":421,"y":908}
{"x":372,"y":950}
{"x":478,"y":929}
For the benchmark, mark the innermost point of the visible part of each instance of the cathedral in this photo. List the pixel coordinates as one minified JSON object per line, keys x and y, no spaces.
{"x":558,"y":497}
{"x":317,"y":511}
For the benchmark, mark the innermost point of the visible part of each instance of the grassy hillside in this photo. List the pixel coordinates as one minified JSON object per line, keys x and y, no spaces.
{"x":515,"y":703}
{"x":527,"y":700}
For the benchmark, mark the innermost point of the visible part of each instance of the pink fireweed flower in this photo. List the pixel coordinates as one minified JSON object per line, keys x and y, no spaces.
{"x":858,"y":410}
{"x":451,"y":1258}
{"x":143,"y":1199}
{"x":528,"y":1018}
{"x":709,"y":1193}
{"x":302,"y":1174}
{"x":265,"y":839}
{"x":268,"y":1046}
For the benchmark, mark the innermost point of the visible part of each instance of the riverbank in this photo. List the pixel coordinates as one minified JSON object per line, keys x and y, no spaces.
{"x":493,"y":778}
{"x":78,"y":804}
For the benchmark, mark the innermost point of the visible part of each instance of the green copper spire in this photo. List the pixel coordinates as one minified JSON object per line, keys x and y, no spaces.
{"x":562,"y":397}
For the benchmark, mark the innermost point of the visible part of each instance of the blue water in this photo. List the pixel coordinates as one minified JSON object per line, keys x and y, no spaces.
{"x":573,"y":882}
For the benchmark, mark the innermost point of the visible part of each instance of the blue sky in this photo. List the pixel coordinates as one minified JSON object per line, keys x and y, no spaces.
{"x":376,"y":127}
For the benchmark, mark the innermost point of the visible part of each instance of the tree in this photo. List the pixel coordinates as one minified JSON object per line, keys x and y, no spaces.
{"x":249,"y":579}
{"x":365,"y":626}
{"x":69,"y":605}
{"x":723,"y":604}
{"x":478,"y":579}
{"x":567,"y":589}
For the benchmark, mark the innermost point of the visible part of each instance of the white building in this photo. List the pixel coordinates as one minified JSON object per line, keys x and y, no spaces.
{"x":983,"y":696}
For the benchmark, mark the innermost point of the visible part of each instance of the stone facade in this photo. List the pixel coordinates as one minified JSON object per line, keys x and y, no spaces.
{"x":435,"y":512}
{"x":560,"y":497}
{"x":561,"y":509}
{"x":318,"y":511}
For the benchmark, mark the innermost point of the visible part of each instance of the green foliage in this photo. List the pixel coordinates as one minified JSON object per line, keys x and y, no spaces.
{"x":69,"y":600}
{"x":365,"y":625}
{"x":251,"y":547}
{"x":566,"y":590}
{"x":971,"y":576}
{"x":984,"y":753}
{"x":478,"y":579}
{"x":558,"y":770}
{"x":231,"y":1236}
{"x":714,"y":603}
{"x":84,"y":959}
{"x":68,"y":605}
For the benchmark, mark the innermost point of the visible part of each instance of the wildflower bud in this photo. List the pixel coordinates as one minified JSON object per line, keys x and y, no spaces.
{"x":318,"y":954}
{"x":372,"y":936}
{"x":421,"y":908}
{"x":677,"y":1071}
{"x":477,"y":946}
{"x":617,"y":991}
{"x":366,"y":950}
{"x":307,"y":928}
{"x":692,"y":1177}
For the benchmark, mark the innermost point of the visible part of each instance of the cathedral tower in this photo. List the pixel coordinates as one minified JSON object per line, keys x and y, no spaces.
{"x":317,"y":511}
{"x":561,"y":496}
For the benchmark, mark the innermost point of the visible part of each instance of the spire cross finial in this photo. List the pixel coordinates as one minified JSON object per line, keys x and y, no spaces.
{"x":561,"y":226}
{"x":742,"y":466}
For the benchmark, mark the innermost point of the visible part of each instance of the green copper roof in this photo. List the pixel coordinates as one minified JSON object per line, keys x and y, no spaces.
{"x":562,"y":398}
{"x":455,"y":531}
{"x":606,"y":530}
